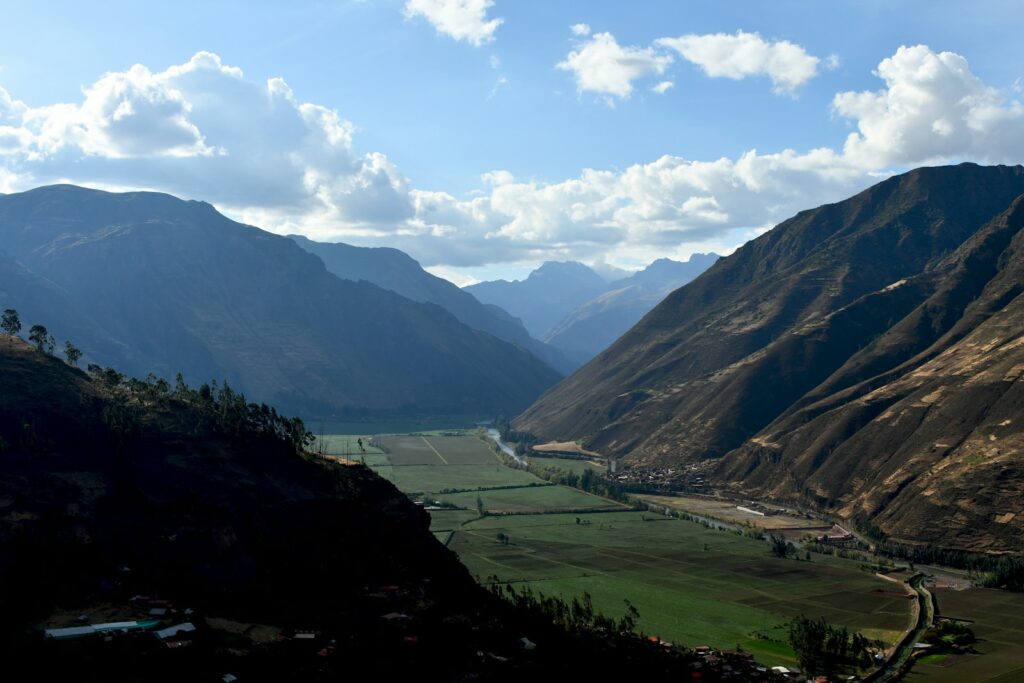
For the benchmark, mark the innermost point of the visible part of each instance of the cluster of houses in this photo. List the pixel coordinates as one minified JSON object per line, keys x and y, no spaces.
{"x":162,"y":620}
{"x":691,"y":478}
{"x":725,"y":665}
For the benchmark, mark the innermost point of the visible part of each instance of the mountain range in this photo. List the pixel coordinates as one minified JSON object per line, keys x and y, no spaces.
{"x":593,"y":326}
{"x":398,"y":272}
{"x":572,"y":308}
{"x":864,"y":357}
{"x":146,"y":282}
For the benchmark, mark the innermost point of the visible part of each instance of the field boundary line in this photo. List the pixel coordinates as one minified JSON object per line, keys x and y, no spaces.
{"x":998,"y":677}
{"x":438,"y":454}
{"x":533,"y":552}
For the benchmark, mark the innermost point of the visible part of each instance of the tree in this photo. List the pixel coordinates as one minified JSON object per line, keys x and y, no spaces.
{"x":823,"y":649}
{"x":40,"y":336}
{"x":781,"y":548}
{"x":10,"y":323}
{"x":72,"y":353}
{"x":480,"y":509}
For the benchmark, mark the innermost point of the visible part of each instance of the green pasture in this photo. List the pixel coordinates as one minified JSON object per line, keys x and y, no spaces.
{"x":545,"y":498}
{"x":434,"y":479}
{"x":722,"y":596}
{"x":691,"y":584}
{"x":567,"y":464}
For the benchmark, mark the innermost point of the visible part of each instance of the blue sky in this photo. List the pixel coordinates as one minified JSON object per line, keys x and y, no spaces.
{"x":408,"y":113}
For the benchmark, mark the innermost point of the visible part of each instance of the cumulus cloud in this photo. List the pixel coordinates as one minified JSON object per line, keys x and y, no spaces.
{"x":580,"y":29}
{"x":257,"y":151}
{"x":460,"y":19}
{"x":742,"y":54}
{"x":662,"y":87}
{"x":933,"y":108}
{"x":201,"y":130}
{"x":603,"y":66}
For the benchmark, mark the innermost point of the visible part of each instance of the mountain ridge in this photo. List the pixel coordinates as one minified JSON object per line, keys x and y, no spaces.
{"x":394,"y":270}
{"x":572,"y":308}
{"x":178,"y":286}
{"x":753,"y":350}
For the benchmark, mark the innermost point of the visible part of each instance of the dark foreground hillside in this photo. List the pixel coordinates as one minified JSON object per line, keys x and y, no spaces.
{"x":123,"y":500}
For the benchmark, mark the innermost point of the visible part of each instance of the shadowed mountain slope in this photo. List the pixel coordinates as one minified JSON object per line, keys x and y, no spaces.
{"x":171,"y":285}
{"x":398,"y":272}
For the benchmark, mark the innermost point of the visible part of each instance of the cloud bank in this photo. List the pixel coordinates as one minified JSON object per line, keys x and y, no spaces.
{"x":257,"y":151}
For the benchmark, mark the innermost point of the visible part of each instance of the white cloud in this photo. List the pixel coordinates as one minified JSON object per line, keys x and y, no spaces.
{"x":739,"y":55}
{"x":932,"y":109}
{"x":460,"y":19}
{"x":201,"y":130}
{"x":603,"y":66}
{"x":663,"y":87}
{"x":580,"y":29}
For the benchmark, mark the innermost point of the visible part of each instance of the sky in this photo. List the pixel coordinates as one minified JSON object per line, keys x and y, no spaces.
{"x":487,"y":136}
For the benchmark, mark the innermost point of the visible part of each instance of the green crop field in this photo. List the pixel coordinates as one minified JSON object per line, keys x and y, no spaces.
{"x":691,"y":584}
{"x":435,"y":479}
{"x":544,"y":498}
{"x":568,"y":464}
{"x":998,"y":623}
{"x":347,"y":444}
{"x":437,"y":450}
{"x":719,"y":596}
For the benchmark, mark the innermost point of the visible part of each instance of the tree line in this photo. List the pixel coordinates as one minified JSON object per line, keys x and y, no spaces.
{"x":1006,"y":572}
{"x":219,"y":408}
{"x":826,"y":650}
{"x":573,"y":616}
{"x":10,"y":324}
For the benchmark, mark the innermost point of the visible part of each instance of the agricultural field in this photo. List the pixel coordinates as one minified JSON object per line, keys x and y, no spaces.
{"x":568,"y":464}
{"x":542,"y":498}
{"x":691,"y":584}
{"x":998,"y":623}
{"x":434,"y":464}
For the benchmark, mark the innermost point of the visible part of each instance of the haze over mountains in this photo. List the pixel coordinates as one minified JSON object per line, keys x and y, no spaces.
{"x":146,"y":283}
{"x":572,"y":308}
{"x":395,"y":270}
{"x":593,"y":326}
{"x":865,"y":357}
